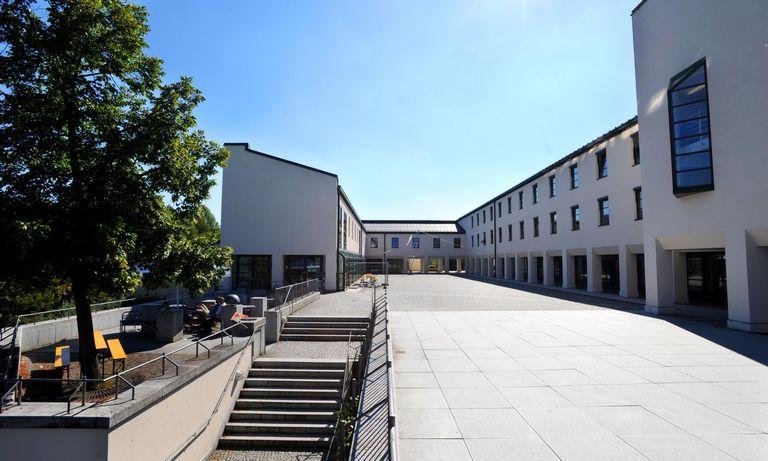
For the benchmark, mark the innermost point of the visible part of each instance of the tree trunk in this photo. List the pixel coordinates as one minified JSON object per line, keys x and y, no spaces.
{"x":89,"y":365}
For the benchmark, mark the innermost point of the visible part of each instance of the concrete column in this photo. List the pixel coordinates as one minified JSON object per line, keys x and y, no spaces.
{"x":659,"y":281}
{"x":680,"y":274}
{"x":627,"y":273}
{"x":569,"y":272}
{"x":507,"y":268}
{"x":519,"y":270}
{"x":531,"y":269}
{"x":594,"y":272}
{"x":746,"y":266}
{"x":549,"y":270}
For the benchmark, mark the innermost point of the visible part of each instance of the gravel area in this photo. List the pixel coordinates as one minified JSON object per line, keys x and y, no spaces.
{"x":264,"y":455}
{"x":308,"y":350}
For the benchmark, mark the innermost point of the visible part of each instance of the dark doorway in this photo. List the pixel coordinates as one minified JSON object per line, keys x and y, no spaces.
{"x":610,"y":273}
{"x":501,"y":268}
{"x":580,"y":272}
{"x":640,"y":261}
{"x":706,"y":278}
{"x":252,"y":272}
{"x":395,"y":266}
{"x":539,"y":269}
{"x":512,"y":268}
{"x":557,"y":270}
{"x":524,"y":268}
{"x":452,"y":265}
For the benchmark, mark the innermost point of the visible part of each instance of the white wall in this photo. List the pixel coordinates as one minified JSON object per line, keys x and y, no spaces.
{"x":426,"y":249}
{"x":269,"y":206}
{"x":355,"y":241}
{"x":669,"y":36}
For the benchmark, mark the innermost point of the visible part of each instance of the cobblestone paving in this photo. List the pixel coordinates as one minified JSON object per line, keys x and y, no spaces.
{"x":355,"y":302}
{"x":308,"y":350}
{"x":439,"y":292}
{"x":264,"y":455}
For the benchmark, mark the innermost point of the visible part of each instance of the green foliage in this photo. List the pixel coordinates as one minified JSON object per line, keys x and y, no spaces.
{"x":91,"y":142}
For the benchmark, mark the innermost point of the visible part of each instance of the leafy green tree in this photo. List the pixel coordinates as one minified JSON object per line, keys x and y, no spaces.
{"x":102,"y":171}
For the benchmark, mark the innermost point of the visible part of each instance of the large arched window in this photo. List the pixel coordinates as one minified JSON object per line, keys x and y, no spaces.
{"x":689,"y":130}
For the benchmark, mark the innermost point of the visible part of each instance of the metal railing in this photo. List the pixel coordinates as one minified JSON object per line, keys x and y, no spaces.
{"x":15,"y":393}
{"x":336,"y":444}
{"x":289,"y":294}
{"x":375,"y":431}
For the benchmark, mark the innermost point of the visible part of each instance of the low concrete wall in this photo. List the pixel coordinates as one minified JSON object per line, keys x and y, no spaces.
{"x":179,"y":420}
{"x":45,"y":333}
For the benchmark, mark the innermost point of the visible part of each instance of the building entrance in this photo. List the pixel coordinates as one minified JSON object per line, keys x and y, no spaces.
{"x":415,"y":264}
{"x":610,"y":273}
{"x":580,"y":272}
{"x":557,"y":270}
{"x":640,"y":261}
{"x":706,"y":278}
{"x":539,"y":269}
{"x":395,"y":266}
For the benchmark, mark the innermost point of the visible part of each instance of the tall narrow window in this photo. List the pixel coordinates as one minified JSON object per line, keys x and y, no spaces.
{"x":435,"y":242}
{"x":520,"y":199}
{"x":553,"y":222}
{"x":374,"y":242}
{"x":498,"y":236}
{"x":522,"y":230}
{"x":473,"y":240}
{"x":457,"y":242}
{"x":509,"y":204}
{"x":484,"y":241}
{"x":483,"y":216}
{"x":499,"y":204}
{"x":415,"y":242}
{"x":604,"y":210}
{"x":574,"y":171}
{"x":509,"y":232}
{"x":602,"y":164}
{"x":536,"y":226}
{"x":575,"y":218}
{"x":535,"y":193}
{"x":472,"y":220}
{"x":492,"y":233}
{"x":638,"y":203}
{"x":553,"y":186}
{"x":477,"y":218}
{"x":395,"y":242}
{"x":635,"y":148}
{"x":492,"y":212}
{"x":689,"y":130}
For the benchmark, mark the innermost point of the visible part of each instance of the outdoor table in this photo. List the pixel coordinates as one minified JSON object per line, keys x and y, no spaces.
{"x":101,"y":347}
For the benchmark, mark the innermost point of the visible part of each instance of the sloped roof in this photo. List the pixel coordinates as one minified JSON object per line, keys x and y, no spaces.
{"x":406,"y":227}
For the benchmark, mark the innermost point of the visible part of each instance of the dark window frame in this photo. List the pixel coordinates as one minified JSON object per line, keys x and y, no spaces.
{"x":601,"y":159}
{"x":535,"y":194}
{"x":520,"y":200}
{"x":374,"y":242}
{"x":522,"y":230}
{"x":552,"y":186}
{"x":575,"y":218}
{"x":574,"y":176}
{"x":553,"y":222}
{"x":509,"y":230}
{"x":535,"y":226}
{"x":395,"y":242}
{"x":509,"y":205}
{"x":635,"y":148}
{"x":456,"y":243}
{"x":684,"y":74}
{"x":638,"y":193}
{"x":603,"y":219}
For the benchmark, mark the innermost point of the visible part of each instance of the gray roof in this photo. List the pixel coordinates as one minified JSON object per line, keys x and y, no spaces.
{"x":405,"y":227}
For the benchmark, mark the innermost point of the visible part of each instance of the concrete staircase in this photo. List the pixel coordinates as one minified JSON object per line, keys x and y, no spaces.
{"x":286,"y":404}
{"x":299,"y":328}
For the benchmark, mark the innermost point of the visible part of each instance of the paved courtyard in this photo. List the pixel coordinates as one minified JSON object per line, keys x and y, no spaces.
{"x":486,"y":372}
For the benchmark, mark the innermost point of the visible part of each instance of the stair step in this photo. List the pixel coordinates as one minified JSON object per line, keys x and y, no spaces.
{"x":325,"y":331}
{"x":292,"y":324}
{"x":293,"y":382}
{"x":282,"y":415}
{"x":302,"y":364}
{"x":275,"y":441}
{"x":296,"y":373}
{"x":296,"y":318}
{"x":259,"y":392}
{"x":309,"y":337}
{"x":287,"y":403}
{"x":241,"y":427}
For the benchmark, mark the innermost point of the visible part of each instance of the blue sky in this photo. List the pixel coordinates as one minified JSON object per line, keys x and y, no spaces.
{"x":424,"y":109}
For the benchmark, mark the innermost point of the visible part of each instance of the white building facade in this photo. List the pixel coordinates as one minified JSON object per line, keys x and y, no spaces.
{"x":416,"y":246}
{"x":286,"y":222}
{"x":702,"y":97}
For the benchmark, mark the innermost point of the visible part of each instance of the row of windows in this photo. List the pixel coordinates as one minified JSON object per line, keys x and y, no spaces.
{"x":415,"y":242}
{"x":604,"y":219}
{"x":573,"y":176}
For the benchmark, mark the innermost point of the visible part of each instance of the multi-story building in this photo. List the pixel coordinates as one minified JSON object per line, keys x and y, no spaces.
{"x":416,"y":246}
{"x":702,"y":98}
{"x":577,"y":223}
{"x":287,"y":222}
{"x":661,"y":207}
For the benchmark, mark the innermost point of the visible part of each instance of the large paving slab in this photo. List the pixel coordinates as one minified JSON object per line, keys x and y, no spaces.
{"x":491,"y":372}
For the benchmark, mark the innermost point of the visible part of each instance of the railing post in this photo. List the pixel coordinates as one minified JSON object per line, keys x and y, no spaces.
{"x":163,"y":367}
{"x":84,"y":385}
{"x":117,"y":386}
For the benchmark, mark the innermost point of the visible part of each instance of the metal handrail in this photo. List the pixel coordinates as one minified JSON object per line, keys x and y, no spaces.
{"x":345,"y":386}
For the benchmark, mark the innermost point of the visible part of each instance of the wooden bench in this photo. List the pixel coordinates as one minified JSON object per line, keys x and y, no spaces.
{"x":117,"y":353}
{"x":61,"y":359}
